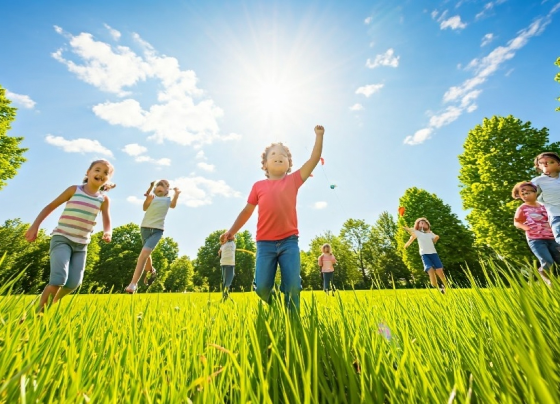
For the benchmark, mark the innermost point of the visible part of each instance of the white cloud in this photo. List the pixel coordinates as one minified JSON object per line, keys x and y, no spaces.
{"x":200,"y":191}
{"x":488,"y":7}
{"x":385,"y":59}
{"x":320,"y":205}
{"x":24,"y":100}
{"x":200,"y":155}
{"x":206,"y":167}
{"x":487,"y":39}
{"x":78,"y":145}
{"x":134,"y":149}
{"x":453,"y":23}
{"x":114,"y":33}
{"x":434,"y":14}
{"x":158,"y":162}
{"x":176,"y":117}
{"x":367,"y":20}
{"x":135,"y":200}
{"x":356,"y":107}
{"x":465,"y":94}
{"x":369,"y":89}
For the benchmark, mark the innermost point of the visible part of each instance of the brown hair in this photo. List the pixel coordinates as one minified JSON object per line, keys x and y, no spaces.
{"x":327,"y":245}
{"x":416,"y":227}
{"x":108,"y":185}
{"x":550,"y":154}
{"x":265,"y":155}
{"x":516,"y":192}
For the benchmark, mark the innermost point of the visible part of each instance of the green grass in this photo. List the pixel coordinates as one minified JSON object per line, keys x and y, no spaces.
{"x":495,"y":345}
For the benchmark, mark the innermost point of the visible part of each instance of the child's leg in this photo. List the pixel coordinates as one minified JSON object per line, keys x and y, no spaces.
{"x":49,"y":292}
{"x":148,"y":267}
{"x":546,"y":253}
{"x":76,"y":269}
{"x":290,"y":268}
{"x":265,"y":269}
{"x":60,"y":255}
{"x":432,"y":274}
{"x":441,"y":275}
{"x":325,"y":285}
{"x":140,"y":264}
{"x":555,"y":226}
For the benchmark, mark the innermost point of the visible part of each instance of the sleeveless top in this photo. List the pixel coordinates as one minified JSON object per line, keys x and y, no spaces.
{"x":154,"y":218}
{"x":78,"y":218}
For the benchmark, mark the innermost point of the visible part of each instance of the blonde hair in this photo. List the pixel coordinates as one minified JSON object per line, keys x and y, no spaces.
{"x":108,"y":185}
{"x":265,"y":155}
{"x":328,"y":246}
{"x":516,"y":192}
{"x":417,"y":222}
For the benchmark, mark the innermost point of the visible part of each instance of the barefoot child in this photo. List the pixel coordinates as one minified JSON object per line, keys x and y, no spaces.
{"x":532,"y":217}
{"x":71,"y":236}
{"x":156,"y":206}
{"x":227,"y":263}
{"x":426,"y":240}
{"x":326,"y":262}
{"x":277,"y":228}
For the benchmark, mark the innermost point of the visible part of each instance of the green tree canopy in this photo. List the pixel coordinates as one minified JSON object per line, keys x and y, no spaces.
{"x":11,"y":155}
{"x":356,"y":234}
{"x":455,"y":246}
{"x":496,"y":155}
{"x":180,"y":276}
{"x":557,"y":78}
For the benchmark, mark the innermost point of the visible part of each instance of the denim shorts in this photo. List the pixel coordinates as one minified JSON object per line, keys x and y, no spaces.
{"x":150,"y":237}
{"x":431,"y":261}
{"x":68,"y":261}
{"x":546,"y":251}
{"x":555,"y":226}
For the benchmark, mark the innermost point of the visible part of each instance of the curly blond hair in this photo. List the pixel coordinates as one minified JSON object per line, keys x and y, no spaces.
{"x":265,"y":155}
{"x":416,"y":227}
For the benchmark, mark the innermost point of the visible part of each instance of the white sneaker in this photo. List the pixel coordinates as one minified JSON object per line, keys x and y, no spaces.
{"x":131,"y":288}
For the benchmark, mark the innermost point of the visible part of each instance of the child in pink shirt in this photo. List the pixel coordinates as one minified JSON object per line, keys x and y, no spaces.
{"x":326,"y":262}
{"x":277,"y":227}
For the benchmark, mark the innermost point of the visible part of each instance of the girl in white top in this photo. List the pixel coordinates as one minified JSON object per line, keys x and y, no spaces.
{"x":430,"y":258}
{"x":156,"y":206}
{"x":227,"y":264}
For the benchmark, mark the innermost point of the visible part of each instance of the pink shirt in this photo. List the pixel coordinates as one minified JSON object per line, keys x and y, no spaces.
{"x":326,"y":262}
{"x":537,"y":219}
{"x":277,"y":207}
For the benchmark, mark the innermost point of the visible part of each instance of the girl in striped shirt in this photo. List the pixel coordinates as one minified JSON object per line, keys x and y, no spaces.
{"x":71,"y":236}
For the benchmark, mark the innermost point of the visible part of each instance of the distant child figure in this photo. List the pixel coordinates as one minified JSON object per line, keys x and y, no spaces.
{"x":430,"y":258}
{"x":326,"y":262}
{"x":548,"y":188}
{"x":277,"y":226}
{"x":532,"y":217}
{"x":156,"y":206}
{"x":227,"y":263}
{"x":71,"y":236}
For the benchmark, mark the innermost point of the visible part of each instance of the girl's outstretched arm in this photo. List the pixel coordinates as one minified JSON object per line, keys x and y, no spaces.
{"x":150,"y":189}
{"x":148,"y":201}
{"x":175,"y":197}
{"x":239,"y":222}
{"x":409,"y":230}
{"x":410,"y":240}
{"x":65,"y":196}
{"x":310,"y":164}
{"x":107,"y":232}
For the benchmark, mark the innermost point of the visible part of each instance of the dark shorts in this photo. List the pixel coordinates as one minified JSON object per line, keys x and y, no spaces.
{"x":431,"y":261}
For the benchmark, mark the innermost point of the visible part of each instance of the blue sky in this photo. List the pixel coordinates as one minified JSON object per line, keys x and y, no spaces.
{"x":193,"y":92}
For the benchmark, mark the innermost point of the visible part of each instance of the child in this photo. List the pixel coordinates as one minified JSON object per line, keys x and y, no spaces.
{"x":156,"y":208}
{"x":532,"y":217}
{"x":277,"y":230}
{"x":70,"y":238}
{"x":326,"y":261}
{"x":430,"y":258}
{"x":227,"y":262}
{"x":548,"y":188}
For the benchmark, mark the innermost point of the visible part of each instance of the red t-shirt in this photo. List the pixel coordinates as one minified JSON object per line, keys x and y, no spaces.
{"x":276,"y":200}
{"x":537,"y":219}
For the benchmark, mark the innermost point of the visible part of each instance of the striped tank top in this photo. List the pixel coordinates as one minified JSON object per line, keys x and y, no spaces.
{"x":78,"y":218}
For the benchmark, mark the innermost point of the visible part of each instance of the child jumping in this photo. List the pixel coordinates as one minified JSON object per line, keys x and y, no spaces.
{"x":71,"y":236}
{"x":156,"y":206}
{"x":227,"y":264}
{"x":430,"y":258}
{"x":277,"y":229}
{"x":548,"y":188}
{"x":532,"y":217}
{"x":326,"y":262}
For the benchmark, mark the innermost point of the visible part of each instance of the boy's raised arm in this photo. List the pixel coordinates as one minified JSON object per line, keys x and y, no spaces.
{"x":310,"y":164}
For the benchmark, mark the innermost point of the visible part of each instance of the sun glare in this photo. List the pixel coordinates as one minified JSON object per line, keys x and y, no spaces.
{"x":273,"y":99}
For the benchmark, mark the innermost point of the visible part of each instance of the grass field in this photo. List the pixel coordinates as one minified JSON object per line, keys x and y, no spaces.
{"x":494,"y":345}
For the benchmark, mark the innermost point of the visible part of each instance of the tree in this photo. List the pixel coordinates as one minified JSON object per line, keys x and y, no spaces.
{"x":244,"y":261}
{"x":455,"y":246}
{"x":383,"y":255}
{"x":11,"y":155}
{"x":180,"y":275}
{"x":356,"y":234}
{"x":208,"y":262}
{"x":557,"y":78}
{"x":496,"y":155}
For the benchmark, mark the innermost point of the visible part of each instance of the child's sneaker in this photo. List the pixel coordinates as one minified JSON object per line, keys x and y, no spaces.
{"x":131,"y":288}
{"x":153,"y":276}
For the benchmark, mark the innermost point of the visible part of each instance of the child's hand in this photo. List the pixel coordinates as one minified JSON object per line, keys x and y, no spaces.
{"x":176,"y":190}
{"x":31,"y":234}
{"x":319,"y":130}
{"x":107,"y":236}
{"x":226,"y":236}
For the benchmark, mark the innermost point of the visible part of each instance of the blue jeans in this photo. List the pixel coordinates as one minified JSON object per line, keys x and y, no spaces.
{"x":228,"y":272}
{"x":68,"y":261}
{"x":546,"y":251}
{"x":327,"y":281}
{"x":555,"y":226}
{"x":270,"y":254}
